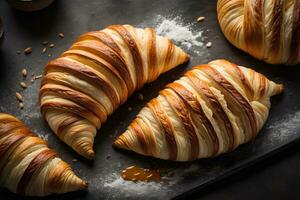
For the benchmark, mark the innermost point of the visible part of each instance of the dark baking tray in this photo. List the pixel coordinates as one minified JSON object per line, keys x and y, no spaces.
{"x":74,"y":17}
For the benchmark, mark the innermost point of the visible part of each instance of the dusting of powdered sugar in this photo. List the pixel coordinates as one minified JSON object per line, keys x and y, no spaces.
{"x":284,"y":128}
{"x":115,"y":184}
{"x":187,"y":35}
{"x":180,"y":32}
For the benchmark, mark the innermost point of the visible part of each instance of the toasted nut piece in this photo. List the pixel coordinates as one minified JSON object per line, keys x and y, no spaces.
{"x":44,"y":50}
{"x":21,"y":105}
{"x":23,"y":85}
{"x":61,"y":35}
{"x":19,"y":97}
{"x":209,"y":44}
{"x":200,"y":19}
{"x":24,"y":72}
{"x":28,"y":50}
{"x":51,"y":45}
{"x":45,"y":42}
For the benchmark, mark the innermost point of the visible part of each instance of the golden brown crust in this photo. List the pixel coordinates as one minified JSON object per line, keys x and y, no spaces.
{"x":23,"y":156}
{"x":34,"y":165}
{"x":135,"y":52}
{"x":266,"y":29}
{"x":82,"y":87}
{"x":295,"y":41}
{"x":194,"y":104}
{"x":214,"y":104}
{"x":244,"y":104}
{"x":186,"y":119}
{"x":152,"y":61}
{"x":212,"y":109}
{"x":168,"y":129}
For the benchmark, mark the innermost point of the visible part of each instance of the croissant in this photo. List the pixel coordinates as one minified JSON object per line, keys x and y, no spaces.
{"x":269,"y":30}
{"x":211,"y":110}
{"x":96,"y":75}
{"x":28,"y":166}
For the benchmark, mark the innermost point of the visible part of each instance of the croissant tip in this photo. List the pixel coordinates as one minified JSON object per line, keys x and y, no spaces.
{"x":84,"y":184}
{"x":90,"y":154}
{"x":120,"y":144}
{"x":187,"y":58}
{"x":281,"y":87}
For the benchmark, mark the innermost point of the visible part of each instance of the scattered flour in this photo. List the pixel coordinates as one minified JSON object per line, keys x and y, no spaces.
{"x":132,"y":188}
{"x":179,"y":32}
{"x":114,"y":183}
{"x":188,"y":36}
{"x":284,"y":128}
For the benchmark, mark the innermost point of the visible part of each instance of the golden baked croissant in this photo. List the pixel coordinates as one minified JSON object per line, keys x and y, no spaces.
{"x":28,"y":166}
{"x":268,"y":30}
{"x":96,"y":75}
{"x":211,"y":110}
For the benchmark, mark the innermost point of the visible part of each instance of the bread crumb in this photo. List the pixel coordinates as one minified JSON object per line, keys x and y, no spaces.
{"x":21,"y":105}
{"x":61,"y":35}
{"x":28,"y":50}
{"x":209,"y":44}
{"x":23,"y":85}
{"x":19,"y":97}
{"x":200,"y":19}
{"x":24,"y":72}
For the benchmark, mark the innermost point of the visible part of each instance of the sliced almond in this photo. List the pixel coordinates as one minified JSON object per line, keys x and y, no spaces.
{"x":61,"y":35}
{"x":28,"y":50}
{"x":24,"y":72}
{"x":200,"y":19}
{"x":44,"y":50}
{"x":38,"y":76}
{"x":23,"y":85}
{"x":21,"y":105}
{"x":19,"y":97}
{"x":209,"y":44}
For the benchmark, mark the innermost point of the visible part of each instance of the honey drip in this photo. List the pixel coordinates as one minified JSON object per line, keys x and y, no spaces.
{"x":135,"y":173}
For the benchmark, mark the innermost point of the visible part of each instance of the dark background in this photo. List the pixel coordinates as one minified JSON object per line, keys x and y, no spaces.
{"x":276,"y":177}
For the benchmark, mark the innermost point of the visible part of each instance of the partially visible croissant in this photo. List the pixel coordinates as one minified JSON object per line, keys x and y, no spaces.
{"x":28,"y":166}
{"x":96,"y":75}
{"x":211,"y":110}
{"x":267,"y":29}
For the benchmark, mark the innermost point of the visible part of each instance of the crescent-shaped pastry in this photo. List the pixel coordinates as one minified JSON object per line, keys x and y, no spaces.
{"x":96,"y":75}
{"x":28,"y":166}
{"x":212,"y":109}
{"x":269,"y":30}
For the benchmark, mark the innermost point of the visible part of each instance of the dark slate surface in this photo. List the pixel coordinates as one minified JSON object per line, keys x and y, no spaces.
{"x":76,"y":17}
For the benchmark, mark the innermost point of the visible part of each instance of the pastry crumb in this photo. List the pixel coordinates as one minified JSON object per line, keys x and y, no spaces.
{"x":24,"y":72}
{"x":200,"y":19}
{"x":21,"y":106}
{"x":209,"y":44}
{"x":61,"y":35}
{"x":19,"y":97}
{"x":23,"y":85}
{"x":28,"y":50}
